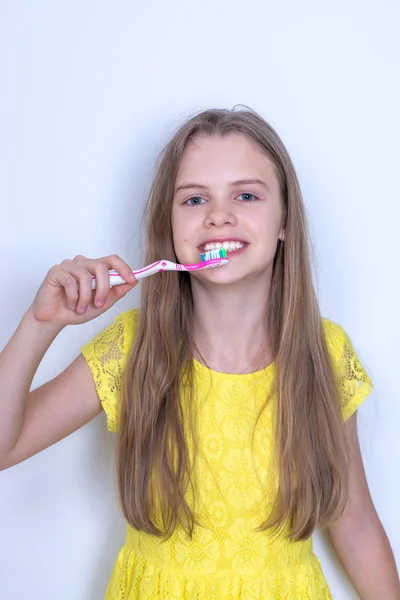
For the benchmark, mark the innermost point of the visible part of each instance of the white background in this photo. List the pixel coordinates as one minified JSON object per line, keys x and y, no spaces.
{"x":90,"y":92}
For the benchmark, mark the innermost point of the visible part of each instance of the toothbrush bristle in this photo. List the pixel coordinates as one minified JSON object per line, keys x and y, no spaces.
{"x":212,"y":254}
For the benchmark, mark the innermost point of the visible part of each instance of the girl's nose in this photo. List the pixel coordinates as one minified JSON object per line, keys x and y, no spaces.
{"x":218,"y":217}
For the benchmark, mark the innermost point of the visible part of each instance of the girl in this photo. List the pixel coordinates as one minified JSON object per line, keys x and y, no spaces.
{"x":234,"y":402}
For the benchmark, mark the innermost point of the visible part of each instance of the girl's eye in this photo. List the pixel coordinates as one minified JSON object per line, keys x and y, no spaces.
{"x":195,"y":201}
{"x":247,"y":197}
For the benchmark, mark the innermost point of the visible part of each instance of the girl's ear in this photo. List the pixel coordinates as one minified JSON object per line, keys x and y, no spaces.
{"x":282,"y":235}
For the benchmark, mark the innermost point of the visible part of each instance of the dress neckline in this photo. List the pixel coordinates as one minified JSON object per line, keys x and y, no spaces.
{"x":202,"y":369}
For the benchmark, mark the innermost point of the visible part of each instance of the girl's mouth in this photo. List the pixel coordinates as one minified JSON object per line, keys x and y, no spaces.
{"x":232,"y":247}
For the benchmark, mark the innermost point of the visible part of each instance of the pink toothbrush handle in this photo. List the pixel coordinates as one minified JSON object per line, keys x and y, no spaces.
{"x":160,"y":266}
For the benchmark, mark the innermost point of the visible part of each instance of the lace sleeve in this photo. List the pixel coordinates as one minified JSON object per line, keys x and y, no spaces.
{"x":106,"y":356}
{"x":354,"y":382}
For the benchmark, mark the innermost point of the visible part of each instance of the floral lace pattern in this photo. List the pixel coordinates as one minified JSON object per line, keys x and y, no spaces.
{"x":235,"y":485}
{"x":106,"y":356}
{"x":354,"y":381}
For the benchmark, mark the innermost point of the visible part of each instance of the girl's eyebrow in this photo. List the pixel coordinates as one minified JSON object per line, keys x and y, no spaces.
{"x":187,"y":186}
{"x":247,"y":181}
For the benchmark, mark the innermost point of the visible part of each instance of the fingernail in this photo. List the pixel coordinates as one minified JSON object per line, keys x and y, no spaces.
{"x":100,"y":301}
{"x":131,"y":277}
{"x":82,"y":309}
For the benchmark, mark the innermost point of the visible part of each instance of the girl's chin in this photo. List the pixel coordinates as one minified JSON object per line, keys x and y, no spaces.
{"x":218,"y":277}
{"x":232,"y":273}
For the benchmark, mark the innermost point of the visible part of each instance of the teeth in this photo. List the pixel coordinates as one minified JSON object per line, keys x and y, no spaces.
{"x":228,"y":245}
{"x":211,"y":254}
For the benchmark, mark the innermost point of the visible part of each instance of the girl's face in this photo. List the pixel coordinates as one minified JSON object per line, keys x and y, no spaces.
{"x":226,"y":190}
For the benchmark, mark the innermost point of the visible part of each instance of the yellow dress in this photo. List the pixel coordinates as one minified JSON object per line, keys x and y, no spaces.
{"x":226,"y":559}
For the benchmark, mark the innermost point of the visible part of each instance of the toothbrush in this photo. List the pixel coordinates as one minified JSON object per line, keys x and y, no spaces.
{"x":211,"y":259}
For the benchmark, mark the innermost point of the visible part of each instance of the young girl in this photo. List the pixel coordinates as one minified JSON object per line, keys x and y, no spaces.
{"x":232,"y":399}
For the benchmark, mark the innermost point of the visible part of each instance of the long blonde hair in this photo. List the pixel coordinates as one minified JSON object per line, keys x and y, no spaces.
{"x":152,"y":454}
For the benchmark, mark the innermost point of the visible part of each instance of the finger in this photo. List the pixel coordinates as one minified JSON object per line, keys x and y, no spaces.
{"x":115,"y":262}
{"x":117,"y":292}
{"x":112,"y":262}
{"x":71,"y":291}
{"x":102,"y":283}
{"x":84,"y":277}
{"x":66,"y":280}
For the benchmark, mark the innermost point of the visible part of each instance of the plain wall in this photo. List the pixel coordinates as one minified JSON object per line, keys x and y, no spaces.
{"x":90,"y":92}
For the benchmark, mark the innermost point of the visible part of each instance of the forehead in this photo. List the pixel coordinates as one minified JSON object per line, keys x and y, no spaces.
{"x":232,"y":156}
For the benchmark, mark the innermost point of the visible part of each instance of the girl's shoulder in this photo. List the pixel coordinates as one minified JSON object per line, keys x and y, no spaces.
{"x":127,"y":322}
{"x":353,"y":379}
{"x":106,"y":356}
{"x":116,"y":339}
{"x":338,"y":342}
{"x":128,"y":319}
{"x":335,"y":336}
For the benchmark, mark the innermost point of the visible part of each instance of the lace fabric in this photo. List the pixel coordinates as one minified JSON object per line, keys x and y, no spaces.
{"x":106,"y":356}
{"x":354,"y":381}
{"x":235,"y":485}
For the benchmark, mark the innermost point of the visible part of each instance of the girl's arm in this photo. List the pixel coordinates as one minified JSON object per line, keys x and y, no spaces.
{"x":33,"y":420}
{"x":358,"y":536}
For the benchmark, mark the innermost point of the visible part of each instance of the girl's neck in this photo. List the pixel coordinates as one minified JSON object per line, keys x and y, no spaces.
{"x":230,"y":327}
